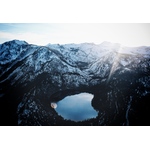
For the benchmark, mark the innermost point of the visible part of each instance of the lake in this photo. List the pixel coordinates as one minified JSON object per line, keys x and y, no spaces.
{"x":76,"y":107}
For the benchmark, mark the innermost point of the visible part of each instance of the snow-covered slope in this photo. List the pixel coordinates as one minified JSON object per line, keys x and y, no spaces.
{"x":32,"y":76}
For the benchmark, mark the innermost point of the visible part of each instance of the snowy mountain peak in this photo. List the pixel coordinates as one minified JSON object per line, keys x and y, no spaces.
{"x":18,"y":42}
{"x":106,"y":43}
{"x":11,"y":50}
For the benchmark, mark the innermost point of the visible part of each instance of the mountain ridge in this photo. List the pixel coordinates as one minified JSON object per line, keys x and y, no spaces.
{"x":33,"y":76}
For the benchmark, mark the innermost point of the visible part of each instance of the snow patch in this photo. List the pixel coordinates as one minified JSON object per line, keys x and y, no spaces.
{"x":20,"y":42}
{"x":124,"y":63}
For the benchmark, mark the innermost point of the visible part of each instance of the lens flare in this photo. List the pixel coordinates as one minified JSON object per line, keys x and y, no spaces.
{"x":115,"y":63}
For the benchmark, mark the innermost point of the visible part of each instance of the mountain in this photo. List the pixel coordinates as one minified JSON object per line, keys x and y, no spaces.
{"x":31,"y":77}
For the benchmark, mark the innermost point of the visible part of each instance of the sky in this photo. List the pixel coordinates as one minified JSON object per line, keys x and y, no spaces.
{"x":127,"y":34}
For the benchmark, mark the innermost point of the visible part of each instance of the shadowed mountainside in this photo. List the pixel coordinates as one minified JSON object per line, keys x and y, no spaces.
{"x":31,"y":77}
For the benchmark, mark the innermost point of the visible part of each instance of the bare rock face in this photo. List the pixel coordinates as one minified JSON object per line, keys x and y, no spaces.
{"x":32,"y":77}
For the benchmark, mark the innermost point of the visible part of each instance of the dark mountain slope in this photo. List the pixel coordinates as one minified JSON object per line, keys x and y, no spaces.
{"x":33,"y":76}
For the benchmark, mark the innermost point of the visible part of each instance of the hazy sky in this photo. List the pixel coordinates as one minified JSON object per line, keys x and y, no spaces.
{"x":136,"y":34}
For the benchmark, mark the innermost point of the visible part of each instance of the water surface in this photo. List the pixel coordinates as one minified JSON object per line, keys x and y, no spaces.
{"x":76,"y":107}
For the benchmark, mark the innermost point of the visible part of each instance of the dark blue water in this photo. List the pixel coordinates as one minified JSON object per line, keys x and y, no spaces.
{"x":76,"y":107}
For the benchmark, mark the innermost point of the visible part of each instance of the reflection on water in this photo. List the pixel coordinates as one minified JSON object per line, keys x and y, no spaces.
{"x":76,"y":107}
